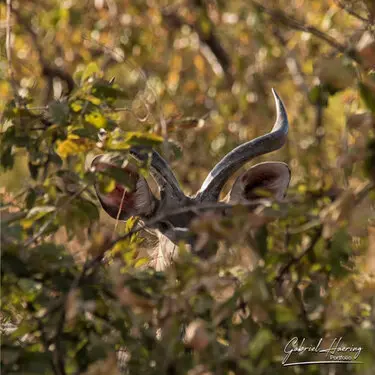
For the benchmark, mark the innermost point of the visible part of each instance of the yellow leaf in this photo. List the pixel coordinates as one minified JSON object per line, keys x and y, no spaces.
{"x":76,"y":106}
{"x":96,"y":119}
{"x":200,"y":64}
{"x":176,"y":63}
{"x":173,"y":79}
{"x":73,"y":145}
{"x":141,"y":262}
{"x":93,"y":99}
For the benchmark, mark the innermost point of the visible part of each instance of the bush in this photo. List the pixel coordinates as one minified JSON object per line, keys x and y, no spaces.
{"x":77,"y":294}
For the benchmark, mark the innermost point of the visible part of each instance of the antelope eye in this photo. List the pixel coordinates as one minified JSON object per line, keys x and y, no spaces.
{"x":164,"y":226}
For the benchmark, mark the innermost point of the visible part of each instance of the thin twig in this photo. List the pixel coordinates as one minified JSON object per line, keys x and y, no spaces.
{"x":293,"y":65}
{"x":314,"y":222}
{"x":46,"y":345}
{"x":319,"y":127}
{"x":350,"y":11}
{"x":50,"y":221}
{"x":207,"y":39}
{"x":286,"y":19}
{"x":8,"y":48}
{"x":59,"y":355}
{"x":297,"y":259}
{"x":365,"y":189}
{"x":299,"y":295}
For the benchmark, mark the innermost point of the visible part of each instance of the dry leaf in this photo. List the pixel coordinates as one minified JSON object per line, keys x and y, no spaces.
{"x":363,"y":121}
{"x":196,"y":335}
{"x":366,"y":50}
{"x":333,"y":72}
{"x":106,"y":366}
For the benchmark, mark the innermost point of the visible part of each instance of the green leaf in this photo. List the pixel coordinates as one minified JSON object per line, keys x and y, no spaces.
{"x":261,"y":340}
{"x":106,"y":91}
{"x":91,"y":70}
{"x":33,"y":169}
{"x":28,"y":285}
{"x":319,"y":95}
{"x":7,"y":158}
{"x":9,"y":354}
{"x":59,"y":112}
{"x":30,"y":198}
{"x":284,"y":314}
{"x":339,"y":253}
{"x":261,"y":240}
{"x":143,"y":139}
{"x":175,"y":148}
{"x":122,"y":176}
{"x":88,"y":208}
{"x":38,"y":212}
{"x":370,"y":159}
{"x":34,"y":363}
{"x":13,"y":264}
{"x":88,"y":131}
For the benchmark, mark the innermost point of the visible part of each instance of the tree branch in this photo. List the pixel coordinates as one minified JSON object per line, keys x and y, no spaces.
{"x":46,"y":345}
{"x":297,"y":259}
{"x":8,"y":49}
{"x":281,"y":17}
{"x":208,"y":39}
{"x":50,"y":221}
{"x":48,"y":71}
{"x":350,"y":11}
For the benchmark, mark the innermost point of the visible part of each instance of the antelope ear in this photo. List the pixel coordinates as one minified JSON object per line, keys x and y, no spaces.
{"x":123,"y":202}
{"x":263,"y":180}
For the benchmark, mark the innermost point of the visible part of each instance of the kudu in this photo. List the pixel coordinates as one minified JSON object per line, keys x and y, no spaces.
{"x":122,"y":203}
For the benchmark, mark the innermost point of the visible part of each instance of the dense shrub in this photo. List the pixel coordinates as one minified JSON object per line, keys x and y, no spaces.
{"x":191,"y":80}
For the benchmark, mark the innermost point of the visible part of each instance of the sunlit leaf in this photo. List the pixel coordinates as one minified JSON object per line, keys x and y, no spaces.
{"x":142,"y":139}
{"x":96,"y":119}
{"x":91,"y":70}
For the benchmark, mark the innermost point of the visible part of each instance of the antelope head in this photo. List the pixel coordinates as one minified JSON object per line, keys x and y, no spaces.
{"x":170,"y":216}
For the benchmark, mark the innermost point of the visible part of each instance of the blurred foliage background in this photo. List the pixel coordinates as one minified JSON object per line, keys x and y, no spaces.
{"x":193,"y":80}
